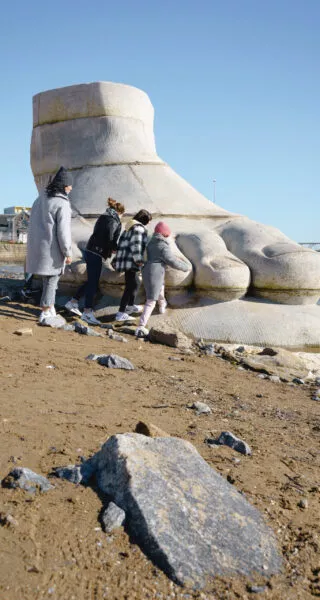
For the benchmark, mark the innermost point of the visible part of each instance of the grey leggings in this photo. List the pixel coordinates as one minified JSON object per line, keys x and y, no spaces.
{"x":49,"y":287}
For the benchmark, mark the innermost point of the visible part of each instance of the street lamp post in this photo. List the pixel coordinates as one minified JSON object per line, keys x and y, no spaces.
{"x":214,"y":190}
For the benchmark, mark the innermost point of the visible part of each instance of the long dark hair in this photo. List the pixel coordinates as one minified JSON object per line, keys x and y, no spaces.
{"x":54,"y":188}
{"x":143,"y":216}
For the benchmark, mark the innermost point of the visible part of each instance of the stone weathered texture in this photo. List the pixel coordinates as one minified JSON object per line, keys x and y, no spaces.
{"x":201,"y":408}
{"x":187,"y":518}
{"x":27,"y":480}
{"x":112,"y":517}
{"x":85,"y":330}
{"x":163,"y":333}
{"x":283,"y":364}
{"x":112,"y":361}
{"x":104,"y":132}
{"x":116,"y":337}
{"x":226,"y":438}
{"x":75,"y":473}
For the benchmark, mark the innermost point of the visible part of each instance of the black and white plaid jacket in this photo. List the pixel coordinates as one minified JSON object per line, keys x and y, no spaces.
{"x":131,"y":248}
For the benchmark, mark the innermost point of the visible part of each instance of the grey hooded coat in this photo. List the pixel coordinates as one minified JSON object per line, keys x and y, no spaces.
{"x":49,"y":235}
{"x":159,"y":254}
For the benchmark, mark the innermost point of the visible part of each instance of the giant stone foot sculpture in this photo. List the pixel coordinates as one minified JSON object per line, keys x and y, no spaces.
{"x":103,"y":133}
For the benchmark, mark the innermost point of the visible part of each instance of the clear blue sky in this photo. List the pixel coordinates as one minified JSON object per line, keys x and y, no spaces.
{"x":235,"y":85}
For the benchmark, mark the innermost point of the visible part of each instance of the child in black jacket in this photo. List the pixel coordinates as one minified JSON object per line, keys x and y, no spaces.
{"x":102,"y":243}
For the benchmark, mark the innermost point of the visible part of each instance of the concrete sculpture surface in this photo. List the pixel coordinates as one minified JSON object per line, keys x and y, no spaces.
{"x":103,"y":133}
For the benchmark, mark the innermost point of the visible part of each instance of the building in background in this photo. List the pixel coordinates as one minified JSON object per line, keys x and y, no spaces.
{"x":14,"y":224}
{"x":15,"y":210}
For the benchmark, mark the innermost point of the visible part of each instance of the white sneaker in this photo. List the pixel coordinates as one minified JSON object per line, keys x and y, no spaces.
{"x":120,"y":316}
{"x":89,"y":317}
{"x":141,"y":332}
{"x":162,"y":307}
{"x":134,"y":308}
{"x":45,"y":314}
{"x":73,"y":307}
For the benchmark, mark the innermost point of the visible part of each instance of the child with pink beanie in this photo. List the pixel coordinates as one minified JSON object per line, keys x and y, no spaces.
{"x":159,"y":254}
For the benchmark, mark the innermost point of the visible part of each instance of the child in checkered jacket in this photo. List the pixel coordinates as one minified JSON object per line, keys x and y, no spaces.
{"x":129,"y":259}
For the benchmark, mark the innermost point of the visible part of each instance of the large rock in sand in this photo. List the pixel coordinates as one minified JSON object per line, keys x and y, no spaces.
{"x":187,"y":518}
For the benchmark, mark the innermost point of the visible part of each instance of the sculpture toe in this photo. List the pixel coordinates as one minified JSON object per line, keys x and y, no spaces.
{"x":216,"y":271}
{"x":281,"y":270}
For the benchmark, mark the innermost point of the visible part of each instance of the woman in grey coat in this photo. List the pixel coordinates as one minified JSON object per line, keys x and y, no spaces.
{"x":49,"y":238}
{"x":159,"y":254}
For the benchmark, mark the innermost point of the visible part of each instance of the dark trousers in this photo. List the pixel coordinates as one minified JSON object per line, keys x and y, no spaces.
{"x":132,"y":283}
{"x":89,"y":288}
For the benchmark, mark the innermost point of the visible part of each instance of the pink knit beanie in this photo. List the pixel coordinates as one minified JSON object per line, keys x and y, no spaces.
{"x":163,"y":229}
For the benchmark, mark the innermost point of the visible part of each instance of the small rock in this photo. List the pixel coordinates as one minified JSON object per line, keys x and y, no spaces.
{"x":68,"y":327}
{"x":256,"y":589}
{"x":150,"y":430}
{"x":113,"y":361}
{"x":298,"y":380}
{"x":240,"y":349}
{"x":241,"y":368}
{"x":56,"y":322}
{"x":127,"y":329}
{"x":113,"y":517}
{"x":310,"y":377}
{"x":27,"y":480}
{"x":24,"y":331}
{"x":201,"y":408}
{"x":267,"y":352}
{"x":209,"y":349}
{"x":167,"y":335}
{"x":84,"y":330}
{"x":303,"y":503}
{"x":14,"y":459}
{"x":8,"y":520}
{"x":93,"y":356}
{"x":175,"y":358}
{"x":106,"y":326}
{"x":116,"y":337}
{"x":75,"y":473}
{"x":262,"y":376}
{"x":227,"y":438}
{"x":274,"y":378}
{"x":33,"y":569}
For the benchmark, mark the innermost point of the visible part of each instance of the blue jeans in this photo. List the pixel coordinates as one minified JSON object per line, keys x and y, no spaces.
{"x":89,"y":288}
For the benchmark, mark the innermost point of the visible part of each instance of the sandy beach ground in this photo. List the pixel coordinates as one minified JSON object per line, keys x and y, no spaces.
{"x":56,"y":407}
